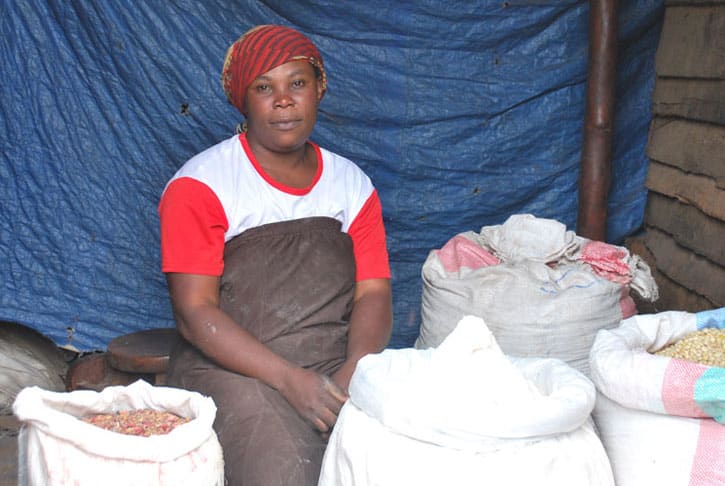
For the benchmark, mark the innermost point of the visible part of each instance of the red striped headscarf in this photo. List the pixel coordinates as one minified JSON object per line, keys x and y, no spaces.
{"x":262,"y":49}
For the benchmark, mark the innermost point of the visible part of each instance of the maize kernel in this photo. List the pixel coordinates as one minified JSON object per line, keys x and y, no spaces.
{"x":706,"y":346}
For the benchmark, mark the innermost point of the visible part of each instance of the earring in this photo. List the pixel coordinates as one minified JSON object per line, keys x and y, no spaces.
{"x":240,"y":128}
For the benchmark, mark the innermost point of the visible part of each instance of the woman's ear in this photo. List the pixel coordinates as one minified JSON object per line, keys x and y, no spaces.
{"x":320,"y":90}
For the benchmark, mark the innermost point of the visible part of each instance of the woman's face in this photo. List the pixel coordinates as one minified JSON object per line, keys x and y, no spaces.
{"x":281,"y":106}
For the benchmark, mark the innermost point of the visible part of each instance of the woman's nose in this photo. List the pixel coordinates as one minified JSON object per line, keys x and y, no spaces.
{"x":283,"y":99}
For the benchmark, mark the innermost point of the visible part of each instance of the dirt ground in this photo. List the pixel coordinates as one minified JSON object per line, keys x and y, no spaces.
{"x":9,"y":427}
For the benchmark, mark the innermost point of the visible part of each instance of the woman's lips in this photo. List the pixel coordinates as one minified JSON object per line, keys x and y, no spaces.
{"x":285,"y":124}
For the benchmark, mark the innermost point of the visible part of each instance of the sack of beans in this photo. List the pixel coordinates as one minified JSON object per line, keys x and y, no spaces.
{"x":123,"y":435}
{"x":660,"y":407}
{"x":465,"y":414}
{"x":543,"y":291}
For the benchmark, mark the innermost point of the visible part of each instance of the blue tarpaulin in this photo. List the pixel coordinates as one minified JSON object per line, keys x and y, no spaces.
{"x":462,"y":112}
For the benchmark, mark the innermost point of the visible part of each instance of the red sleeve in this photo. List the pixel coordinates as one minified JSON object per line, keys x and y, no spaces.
{"x":193,"y":224}
{"x":368,"y":238}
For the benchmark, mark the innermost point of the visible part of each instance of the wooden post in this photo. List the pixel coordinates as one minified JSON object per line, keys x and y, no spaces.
{"x":595,"y":173}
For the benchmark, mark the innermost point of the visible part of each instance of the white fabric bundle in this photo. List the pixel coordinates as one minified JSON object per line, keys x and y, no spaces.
{"x":525,"y":237}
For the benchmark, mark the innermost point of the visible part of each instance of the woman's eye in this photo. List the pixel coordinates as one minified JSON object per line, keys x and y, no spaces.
{"x":263,"y":88}
{"x":298,"y":83}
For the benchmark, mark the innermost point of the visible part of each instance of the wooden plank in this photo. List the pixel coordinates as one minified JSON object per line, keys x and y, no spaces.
{"x":672,"y":296}
{"x":696,"y":99}
{"x":689,"y":227}
{"x":670,"y":3}
{"x":691,"y":3}
{"x":696,"y":148}
{"x":687,"y":269}
{"x":698,"y":191}
{"x":692,"y":44}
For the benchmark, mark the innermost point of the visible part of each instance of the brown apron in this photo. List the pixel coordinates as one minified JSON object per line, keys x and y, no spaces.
{"x":291,"y":285}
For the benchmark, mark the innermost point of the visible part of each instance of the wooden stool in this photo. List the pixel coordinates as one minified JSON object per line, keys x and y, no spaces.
{"x":144,"y":352}
{"x":92,"y":372}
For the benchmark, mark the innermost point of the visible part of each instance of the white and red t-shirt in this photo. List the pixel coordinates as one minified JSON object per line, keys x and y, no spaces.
{"x":223,"y":191}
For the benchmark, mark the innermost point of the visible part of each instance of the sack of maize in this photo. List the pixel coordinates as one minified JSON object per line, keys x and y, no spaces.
{"x":660,"y":407}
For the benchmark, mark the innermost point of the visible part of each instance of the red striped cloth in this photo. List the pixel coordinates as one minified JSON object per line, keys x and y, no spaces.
{"x":260,"y":50}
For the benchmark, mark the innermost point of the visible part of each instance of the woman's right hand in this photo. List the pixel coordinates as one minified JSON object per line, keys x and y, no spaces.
{"x":315,"y":397}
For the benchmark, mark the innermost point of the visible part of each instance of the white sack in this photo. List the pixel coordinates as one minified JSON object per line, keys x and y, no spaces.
{"x":532,"y":309}
{"x":667,"y":450}
{"x":658,"y":416}
{"x":624,"y":369}
{"x":56,"y":447}
{"x":364,"y":452}
{"x":467,"y":394}
{"x":464,"y":413}
{"x":27,"y":358}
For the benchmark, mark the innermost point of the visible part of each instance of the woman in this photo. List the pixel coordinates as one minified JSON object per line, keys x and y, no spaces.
{"x":275,"y":257}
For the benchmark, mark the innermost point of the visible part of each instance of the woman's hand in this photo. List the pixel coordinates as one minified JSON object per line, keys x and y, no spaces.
{"x":315,"y":397}
{"x":342,"y":376}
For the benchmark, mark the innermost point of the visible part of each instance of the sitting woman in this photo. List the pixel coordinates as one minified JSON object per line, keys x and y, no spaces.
{"x":275,"y":256}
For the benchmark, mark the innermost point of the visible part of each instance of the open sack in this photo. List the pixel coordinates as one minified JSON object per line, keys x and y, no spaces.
{"x":463,"y":413}
{"x":661,"y":419}
{"x":543,"y":291}
{"x":56,"y":447}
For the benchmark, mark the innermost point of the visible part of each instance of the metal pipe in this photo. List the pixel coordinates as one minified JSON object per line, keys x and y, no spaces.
{"x":595,"y":172}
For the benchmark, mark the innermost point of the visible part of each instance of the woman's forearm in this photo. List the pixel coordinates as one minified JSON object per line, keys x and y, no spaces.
{"x":201,"y":322}
{"x":219,"y":338}
{"x":370,"y":327}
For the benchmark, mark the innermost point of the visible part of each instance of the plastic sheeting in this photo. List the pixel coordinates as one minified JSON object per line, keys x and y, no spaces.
{"x":462,"y":112}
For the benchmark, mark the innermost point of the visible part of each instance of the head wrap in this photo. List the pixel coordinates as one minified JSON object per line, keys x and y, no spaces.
{"x":262,"y":49}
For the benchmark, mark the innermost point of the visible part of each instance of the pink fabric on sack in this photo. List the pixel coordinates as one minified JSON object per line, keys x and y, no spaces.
{"x":607,"y":261}
{"x":678,"y":388}
{"x":708,"y":465}
{"x":460,"y":252}
{"x":626,"y":303}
